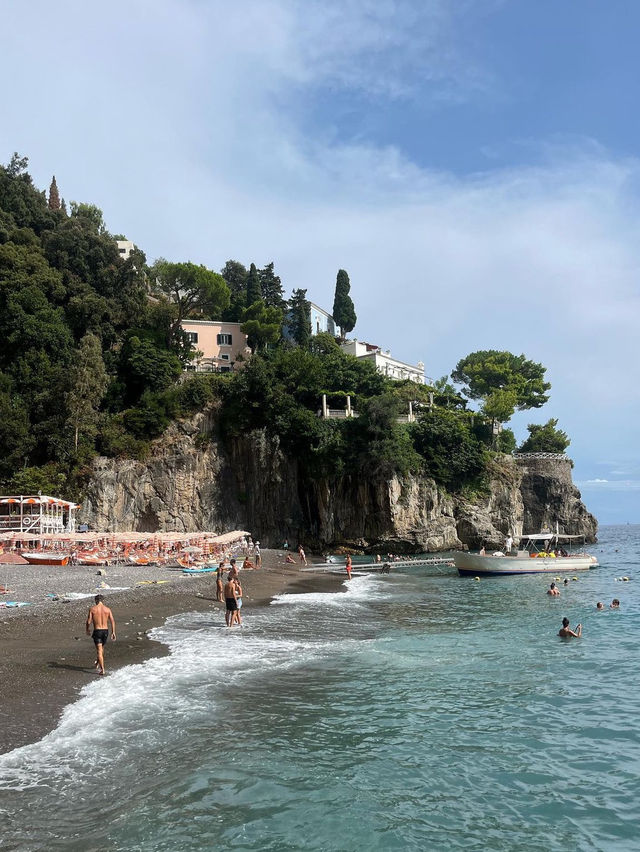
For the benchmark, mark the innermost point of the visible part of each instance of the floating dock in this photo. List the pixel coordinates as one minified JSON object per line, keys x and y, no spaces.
{"x":368,"y":567}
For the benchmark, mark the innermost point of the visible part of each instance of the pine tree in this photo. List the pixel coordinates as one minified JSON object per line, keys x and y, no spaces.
{"x":299,"y":318}
{"x":235,"y":274}
{"x":254,"y":291}
{"x":54,"y":196}
{"x":271,"y":287}
{"x":344,"y":312}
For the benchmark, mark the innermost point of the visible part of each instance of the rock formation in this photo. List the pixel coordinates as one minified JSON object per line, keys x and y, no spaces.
{"x":191,"y":482}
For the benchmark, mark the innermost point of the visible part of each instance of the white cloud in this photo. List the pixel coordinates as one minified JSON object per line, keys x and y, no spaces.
{"x":187,"y":123}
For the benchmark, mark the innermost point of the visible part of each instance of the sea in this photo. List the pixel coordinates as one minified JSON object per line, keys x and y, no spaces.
{"x":414,"y":711}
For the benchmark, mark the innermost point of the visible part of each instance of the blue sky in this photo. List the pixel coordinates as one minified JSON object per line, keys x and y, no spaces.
{"x":471,"y":163}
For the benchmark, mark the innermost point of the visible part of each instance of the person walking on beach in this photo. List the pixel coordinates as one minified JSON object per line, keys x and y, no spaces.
{"x":347,"y":565}
{"x":230,"y":599}
{"x":258,"y":555}
{"x":566,"y":633}
{"x":100,"y":616}
{"x":301,"y":554}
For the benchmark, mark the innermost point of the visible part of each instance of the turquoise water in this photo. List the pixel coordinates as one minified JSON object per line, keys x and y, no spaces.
{"x":413,"y":711}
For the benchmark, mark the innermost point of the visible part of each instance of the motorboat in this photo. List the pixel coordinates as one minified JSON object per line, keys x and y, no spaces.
{"x":542,"y":553}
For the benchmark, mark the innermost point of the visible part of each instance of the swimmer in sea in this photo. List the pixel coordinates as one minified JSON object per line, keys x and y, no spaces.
{"x":599,"y":605}
{"x":566,"y":633}
{"x":615,"y":604}
{"x":100,"y":616}
{"x":553,"y":590}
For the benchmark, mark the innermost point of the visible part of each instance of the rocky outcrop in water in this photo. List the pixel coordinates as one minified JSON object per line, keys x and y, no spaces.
{"x":192,"y":482}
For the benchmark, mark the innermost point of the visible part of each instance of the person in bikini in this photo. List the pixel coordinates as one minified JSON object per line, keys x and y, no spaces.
{"x":220,"y":583}
{"x":100,"y":616}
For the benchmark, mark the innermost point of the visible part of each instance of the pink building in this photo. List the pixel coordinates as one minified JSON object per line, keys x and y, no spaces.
{"x":218,"y":346}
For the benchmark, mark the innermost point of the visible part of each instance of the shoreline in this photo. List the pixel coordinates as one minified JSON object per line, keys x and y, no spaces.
{"x":47,"y":658}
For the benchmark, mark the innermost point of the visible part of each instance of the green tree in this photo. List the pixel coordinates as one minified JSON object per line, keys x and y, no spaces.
{"x":343,"y":310}
{"x":261,"y":325}
{"x":502,"y":379}
{"x":144,"y":366}
{"x":54,"y":195}
{"x":271,"y":288}
{"x":191,"y":289}
{"x":298,"y":319}
{"x":235,"y":274}
{"x":90,"y":215}
{"x":254,"y":290}
{"x":88,"y":385}
{"x":451,"y":452}
{"x":545,"y":439}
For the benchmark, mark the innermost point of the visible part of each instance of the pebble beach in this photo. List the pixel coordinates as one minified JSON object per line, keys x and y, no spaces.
{"x":46,"y":655}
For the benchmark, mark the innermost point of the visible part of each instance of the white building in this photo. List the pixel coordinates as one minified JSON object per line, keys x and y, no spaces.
{"x":320,"y":321}
{"x":125,"y":247}
{"x":383,"y":361}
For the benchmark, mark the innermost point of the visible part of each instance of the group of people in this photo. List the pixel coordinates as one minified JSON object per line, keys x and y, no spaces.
{"x":565,"y":631}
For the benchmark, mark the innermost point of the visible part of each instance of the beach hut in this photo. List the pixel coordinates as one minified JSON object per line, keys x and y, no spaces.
{"x":37,"y":514}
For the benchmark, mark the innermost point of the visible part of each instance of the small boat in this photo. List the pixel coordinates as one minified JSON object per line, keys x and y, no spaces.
{"x":41,"y":557}
{"x":207,"y":569}
{"x":529,"y":560}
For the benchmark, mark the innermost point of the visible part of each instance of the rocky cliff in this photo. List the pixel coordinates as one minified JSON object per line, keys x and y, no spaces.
{"x":191,"y":482}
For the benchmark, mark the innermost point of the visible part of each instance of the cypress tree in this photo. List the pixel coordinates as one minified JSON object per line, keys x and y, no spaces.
{"x":271,"y":286}
{"x":254,"y":290}
{"x":299,"y":318}
{"x":344,"y":312}
{"x":54,"y":196}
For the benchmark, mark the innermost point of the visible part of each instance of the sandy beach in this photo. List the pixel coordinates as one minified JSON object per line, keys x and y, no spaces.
{"x":46,"y":655}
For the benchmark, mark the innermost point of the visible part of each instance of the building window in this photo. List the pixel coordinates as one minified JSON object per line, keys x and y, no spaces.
{"x":192,"y":336}
{"x":224,"y":340}
{"x":225,"y":369}
{"x":122,"y":251}
{"x":224,"y":357}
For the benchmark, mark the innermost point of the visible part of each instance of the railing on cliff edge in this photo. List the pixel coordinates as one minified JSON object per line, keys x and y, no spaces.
{"x":527,"y":456}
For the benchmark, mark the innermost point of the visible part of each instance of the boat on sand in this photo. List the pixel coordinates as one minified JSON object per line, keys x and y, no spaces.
{"x":42,"y":557}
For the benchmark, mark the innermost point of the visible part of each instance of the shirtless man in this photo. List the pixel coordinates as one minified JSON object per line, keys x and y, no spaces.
{"x":553,"y":590}
{"x":566,"y":633}
{"x":347,"y":565}
{"x":100,"y":616}
{"x":230,"y":595}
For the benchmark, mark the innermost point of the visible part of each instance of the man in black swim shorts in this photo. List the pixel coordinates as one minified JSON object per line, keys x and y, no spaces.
{"x":230,"y":599}
{"x":100,"y":616}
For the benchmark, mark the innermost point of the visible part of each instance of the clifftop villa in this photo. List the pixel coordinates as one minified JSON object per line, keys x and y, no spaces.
{"x":220,"y":346}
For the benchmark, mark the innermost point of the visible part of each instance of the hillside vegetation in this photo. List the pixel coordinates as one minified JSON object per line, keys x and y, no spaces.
{"x":92,"y":356}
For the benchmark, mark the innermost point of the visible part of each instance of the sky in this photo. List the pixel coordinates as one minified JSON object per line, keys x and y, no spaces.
{"x":472,"y":164}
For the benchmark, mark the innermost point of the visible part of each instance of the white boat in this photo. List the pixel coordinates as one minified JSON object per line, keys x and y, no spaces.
{"x":529,"y":560}
{"x":43,"y":557}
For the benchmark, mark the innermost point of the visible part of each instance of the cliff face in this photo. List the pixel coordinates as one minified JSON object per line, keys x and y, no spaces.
{"x":191,"y":482}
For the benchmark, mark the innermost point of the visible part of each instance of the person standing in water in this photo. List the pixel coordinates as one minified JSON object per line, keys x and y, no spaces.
{"x":347,"y":565}
{"x":100,"y":616}
{"x":230,"y":598}
{"x":220,"y":583}
{"x":566,"y":633}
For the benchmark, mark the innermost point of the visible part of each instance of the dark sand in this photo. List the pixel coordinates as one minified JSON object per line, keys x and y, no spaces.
{"x":47,"y":657}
